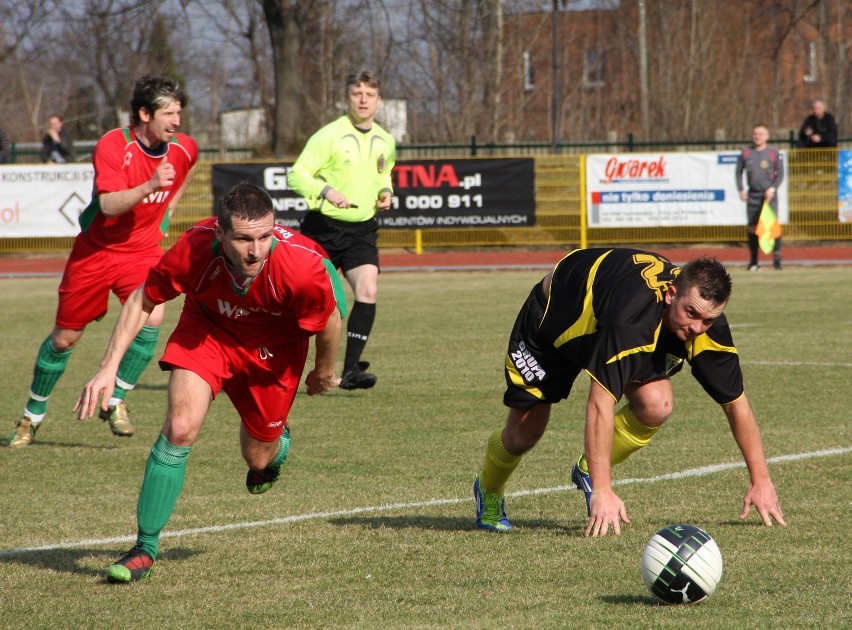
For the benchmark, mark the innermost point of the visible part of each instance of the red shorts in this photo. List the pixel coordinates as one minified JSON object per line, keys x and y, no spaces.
{"x":261,"y":382}
{"x":91,"y":273}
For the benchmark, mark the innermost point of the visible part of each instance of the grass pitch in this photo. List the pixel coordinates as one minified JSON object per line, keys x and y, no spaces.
{"x":372,"y":524}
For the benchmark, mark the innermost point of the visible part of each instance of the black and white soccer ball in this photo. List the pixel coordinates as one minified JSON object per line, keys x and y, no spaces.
{"x":681,"y":564}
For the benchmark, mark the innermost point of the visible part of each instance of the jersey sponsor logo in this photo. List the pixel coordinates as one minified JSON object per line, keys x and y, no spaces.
{"x":232,"y":311}
{"x":276,"y":423}
{"x":159,"y":196}
{"x":527,"y":366}
{"x":264,"y":353}
{"x":282,"y":233}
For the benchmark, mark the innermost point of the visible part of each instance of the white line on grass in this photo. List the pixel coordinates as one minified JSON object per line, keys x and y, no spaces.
{"x":703,"y":471}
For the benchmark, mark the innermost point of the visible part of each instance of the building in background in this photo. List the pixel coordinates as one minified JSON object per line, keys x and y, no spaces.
{"x":783,"y":61}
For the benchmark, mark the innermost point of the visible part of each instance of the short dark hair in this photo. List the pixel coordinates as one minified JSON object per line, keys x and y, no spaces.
{"x":709,"y":276}
{"x":244,"y":201}
{"x":367,"y":77}
{"x":153,"y":93}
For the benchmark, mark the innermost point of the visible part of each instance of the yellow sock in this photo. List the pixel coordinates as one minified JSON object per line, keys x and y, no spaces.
{"x":629,"y":436}
{"x":499,"y":464}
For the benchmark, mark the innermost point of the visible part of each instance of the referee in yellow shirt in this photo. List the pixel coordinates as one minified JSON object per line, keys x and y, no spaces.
{"x":344,"y":174}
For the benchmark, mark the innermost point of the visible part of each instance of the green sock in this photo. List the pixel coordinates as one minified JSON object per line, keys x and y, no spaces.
{"x":161,"y":488}
{"x":135,"y":360}
{"x":49,"y":367}
{"x":283,"y":449}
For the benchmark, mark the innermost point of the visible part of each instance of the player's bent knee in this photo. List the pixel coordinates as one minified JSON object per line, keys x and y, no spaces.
{"x":652,"y":403}
{"x":181,"y":433}
{"x":653,"y":415}
{"x":63,"y":339}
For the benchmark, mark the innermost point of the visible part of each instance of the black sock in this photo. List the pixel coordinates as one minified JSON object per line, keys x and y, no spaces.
{"x":752,"y":248}
{"x":357,"y":331}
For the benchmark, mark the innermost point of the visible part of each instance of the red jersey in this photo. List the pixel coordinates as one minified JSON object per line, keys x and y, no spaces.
{"x":122,"y":162}
{"x":291,"y":297}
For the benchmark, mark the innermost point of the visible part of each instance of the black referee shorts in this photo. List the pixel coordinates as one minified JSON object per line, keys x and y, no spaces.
{"x":348,"y":244}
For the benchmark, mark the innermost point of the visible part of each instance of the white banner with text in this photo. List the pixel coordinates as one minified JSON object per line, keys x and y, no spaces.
{"x":667,"y":189}
{"x":43,"y":199}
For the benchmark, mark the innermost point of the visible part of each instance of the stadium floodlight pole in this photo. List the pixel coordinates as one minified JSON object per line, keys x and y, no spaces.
{"x":556,"y":106}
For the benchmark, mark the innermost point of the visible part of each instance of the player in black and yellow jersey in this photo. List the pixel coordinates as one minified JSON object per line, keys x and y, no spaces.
{"x":629,"y":319}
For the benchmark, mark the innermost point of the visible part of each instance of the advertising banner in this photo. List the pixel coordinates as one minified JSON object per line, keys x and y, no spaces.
{"x":844,"y":185}
{"x":43,"y":199}
{"x":427,"y":193}
{"x":667,"y":189}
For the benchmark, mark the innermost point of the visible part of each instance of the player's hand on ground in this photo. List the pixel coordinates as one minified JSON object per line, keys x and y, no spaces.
{"x":765,"y":501}
{"x":607,"y":510}
{"x":320,"y":384}
{"x":99,"y":388}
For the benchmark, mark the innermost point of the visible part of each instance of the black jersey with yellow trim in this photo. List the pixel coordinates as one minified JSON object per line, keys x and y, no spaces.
{"x":712,"y":356}
{"x":604,"y":315}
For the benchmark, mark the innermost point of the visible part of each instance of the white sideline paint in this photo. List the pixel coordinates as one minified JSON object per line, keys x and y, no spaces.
{"x":703,"y":471}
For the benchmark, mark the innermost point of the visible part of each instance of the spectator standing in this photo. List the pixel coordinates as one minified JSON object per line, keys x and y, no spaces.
{"x":819,"y":129}
{"x":5,"y":147}
{"x":57,"y":146}
{"x":764,"y":170}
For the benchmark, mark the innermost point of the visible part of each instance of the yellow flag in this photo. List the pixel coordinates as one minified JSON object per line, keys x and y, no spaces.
{"x":768,"y":228}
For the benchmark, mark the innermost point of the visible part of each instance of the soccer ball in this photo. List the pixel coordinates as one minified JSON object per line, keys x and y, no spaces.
{"x":681,"y":564}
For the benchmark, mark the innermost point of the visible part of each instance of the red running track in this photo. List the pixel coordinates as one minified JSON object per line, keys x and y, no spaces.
{"x":23,"y":266}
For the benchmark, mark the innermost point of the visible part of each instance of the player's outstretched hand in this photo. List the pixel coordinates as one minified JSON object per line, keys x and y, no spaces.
{"x":318,"y":384}
{"x":607,"y":509}
{"x":765,"y":501}
{"x":100,"y":387}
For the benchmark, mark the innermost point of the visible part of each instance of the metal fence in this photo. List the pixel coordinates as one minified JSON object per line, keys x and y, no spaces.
{"x":811,"y":179}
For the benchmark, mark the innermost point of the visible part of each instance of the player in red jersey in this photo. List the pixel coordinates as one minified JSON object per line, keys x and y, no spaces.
{"x":255,"y":294}
{"x":141,"y":172}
